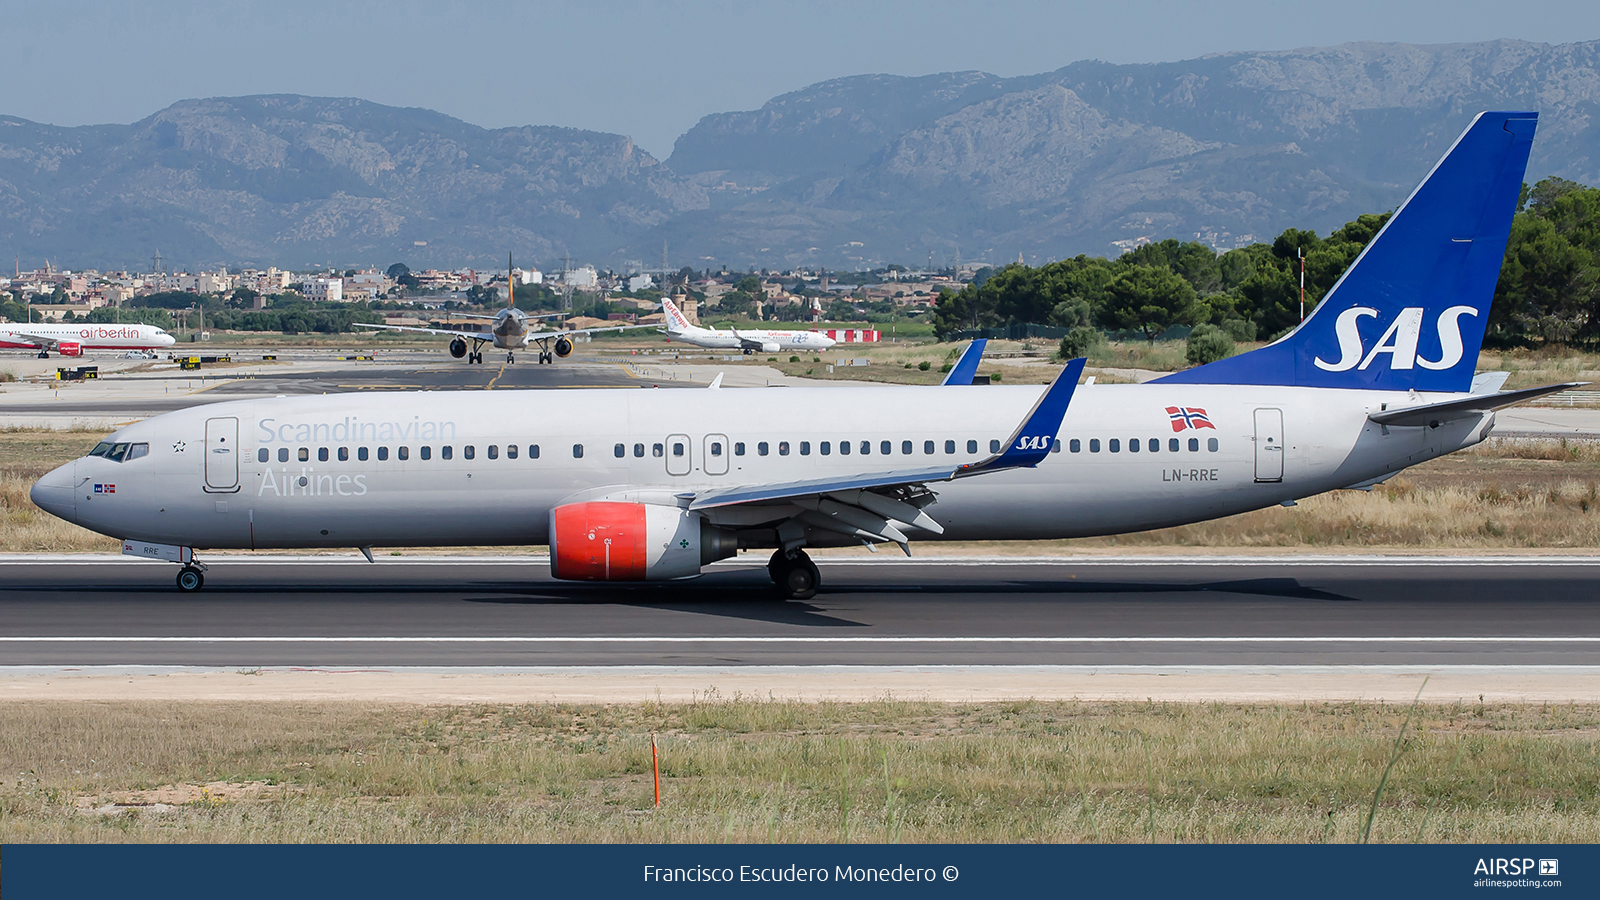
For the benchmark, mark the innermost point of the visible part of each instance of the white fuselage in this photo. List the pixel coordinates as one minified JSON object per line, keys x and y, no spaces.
{"x":203,"y":482}
{"x":89,"y":337}
{"x":763,"y":340}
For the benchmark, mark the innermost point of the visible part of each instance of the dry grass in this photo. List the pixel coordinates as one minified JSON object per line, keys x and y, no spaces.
{"x":24,"y":528}
{"x":743,"y":770}
{"x":1530,"y":368}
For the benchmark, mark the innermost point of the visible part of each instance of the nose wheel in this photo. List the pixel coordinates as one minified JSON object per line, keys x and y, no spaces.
{"x":191,"y":579}
{"x":795,"y":574}
{"x":511,"y":357}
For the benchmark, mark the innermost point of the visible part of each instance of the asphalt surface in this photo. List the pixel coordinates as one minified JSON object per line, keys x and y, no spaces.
{"x":496,"y":612}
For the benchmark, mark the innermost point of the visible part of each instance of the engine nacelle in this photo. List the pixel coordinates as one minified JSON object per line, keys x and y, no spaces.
{"x":69,"y":348}
{"x":609,"y":541}
{"x":458,"y":348}
{"x":563,"y":348}
{"x":770,"y":347}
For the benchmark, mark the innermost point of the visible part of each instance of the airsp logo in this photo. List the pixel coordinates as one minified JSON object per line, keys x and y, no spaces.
{"x":1399,"y":342}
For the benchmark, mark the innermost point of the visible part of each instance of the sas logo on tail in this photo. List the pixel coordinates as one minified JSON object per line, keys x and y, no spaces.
{"x":1399,"y":342}
{"x":1184,"y":417}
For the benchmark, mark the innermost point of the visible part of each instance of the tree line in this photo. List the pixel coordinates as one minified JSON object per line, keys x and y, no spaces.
{"x":1548,"y":292}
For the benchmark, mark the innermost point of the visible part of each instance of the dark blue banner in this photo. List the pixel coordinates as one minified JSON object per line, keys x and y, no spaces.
{"x":393,"y":872}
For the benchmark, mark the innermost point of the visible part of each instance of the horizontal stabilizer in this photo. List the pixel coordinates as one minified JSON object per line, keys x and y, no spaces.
{"x":1434,"y":413}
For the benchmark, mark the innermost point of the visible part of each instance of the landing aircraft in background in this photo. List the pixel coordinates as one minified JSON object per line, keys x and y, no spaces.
{"x":654,"y":485}
{"x":764,"y":340}
{"x":509,"y":332}
{"x":72,"y":339}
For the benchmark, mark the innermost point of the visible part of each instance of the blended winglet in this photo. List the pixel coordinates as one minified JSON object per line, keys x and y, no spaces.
{"x":1032,"y":440}
{"x":967,"y":365}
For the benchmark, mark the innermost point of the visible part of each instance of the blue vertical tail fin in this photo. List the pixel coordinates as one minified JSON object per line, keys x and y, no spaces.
{"x":1410,"y":312}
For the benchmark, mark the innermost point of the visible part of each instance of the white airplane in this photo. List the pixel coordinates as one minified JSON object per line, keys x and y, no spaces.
{"x":654,"y":485}
{"x":765,"y":340}
{"x":509,"y":332}
{"x":74,"y":338}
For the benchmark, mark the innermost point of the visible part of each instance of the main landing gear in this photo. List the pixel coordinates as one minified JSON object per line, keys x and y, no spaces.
{"x":44,"y":354}
{"x":191,"y":578}
{"x":546,"y":357}
{"x":475,"y":358}
{"x":511,"y":356}
{"x":795,"y":574}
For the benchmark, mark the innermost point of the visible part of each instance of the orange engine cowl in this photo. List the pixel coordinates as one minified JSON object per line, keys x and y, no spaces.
{"x":611,"y":541}
{"x":69,"y":348}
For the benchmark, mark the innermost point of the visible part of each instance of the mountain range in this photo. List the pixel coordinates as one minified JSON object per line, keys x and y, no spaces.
{"x":856,"y":171}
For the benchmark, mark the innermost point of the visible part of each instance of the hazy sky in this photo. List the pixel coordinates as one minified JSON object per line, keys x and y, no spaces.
{"x":650,"y":70}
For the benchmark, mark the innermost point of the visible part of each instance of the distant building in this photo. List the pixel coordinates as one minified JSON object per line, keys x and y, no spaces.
{"x":584,"y":277}
{"x":319,"y":289}
{"x":528,"y":276}
{"x":641,"y":283}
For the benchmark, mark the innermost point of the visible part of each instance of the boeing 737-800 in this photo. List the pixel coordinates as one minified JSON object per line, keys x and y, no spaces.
{"x":654,"y":485}
{"x":764,"y":340}
{"x":73,"y":339}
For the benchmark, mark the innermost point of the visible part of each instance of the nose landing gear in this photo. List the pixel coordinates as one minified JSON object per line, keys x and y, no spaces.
{"x":191,"y":578}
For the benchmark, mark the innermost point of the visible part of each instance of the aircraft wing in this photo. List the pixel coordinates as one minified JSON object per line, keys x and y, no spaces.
{"x":1434,"y":413}
{"x":462,"y":315}
{"x":875,"y":506}
{"x":541,"y":335}
{"x":464,"y":335}
{"x":45,"y":341}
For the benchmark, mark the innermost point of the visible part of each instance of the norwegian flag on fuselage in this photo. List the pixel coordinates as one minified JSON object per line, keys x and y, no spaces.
{"x":1184,"y":417}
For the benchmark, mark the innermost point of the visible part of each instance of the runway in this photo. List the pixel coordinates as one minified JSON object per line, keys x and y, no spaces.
{"x":496,"y":612}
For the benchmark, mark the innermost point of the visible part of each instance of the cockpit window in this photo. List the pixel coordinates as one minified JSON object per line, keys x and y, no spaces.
{"x":120,"y":452}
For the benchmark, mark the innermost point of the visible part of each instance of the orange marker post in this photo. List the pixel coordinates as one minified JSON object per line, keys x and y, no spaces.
{"x":655,"y":766}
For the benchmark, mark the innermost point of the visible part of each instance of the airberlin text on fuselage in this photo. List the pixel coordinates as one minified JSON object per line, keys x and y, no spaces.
{"x":353,"y":429}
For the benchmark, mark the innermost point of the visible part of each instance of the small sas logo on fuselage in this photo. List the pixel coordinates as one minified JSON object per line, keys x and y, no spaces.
{"x":105,"y":489}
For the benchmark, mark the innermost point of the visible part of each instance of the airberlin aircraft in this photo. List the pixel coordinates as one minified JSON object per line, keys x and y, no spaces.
{"x":654,"y":485}
{"x":72,"y":340}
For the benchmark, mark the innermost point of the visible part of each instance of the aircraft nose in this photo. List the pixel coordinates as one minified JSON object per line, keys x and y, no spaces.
{"x":56,"y":492}
{"x":168,"y":340}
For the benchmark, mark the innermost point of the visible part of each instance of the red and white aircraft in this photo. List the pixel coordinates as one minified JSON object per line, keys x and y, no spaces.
{"x":653,"y":485}
{"x":73,"y":339}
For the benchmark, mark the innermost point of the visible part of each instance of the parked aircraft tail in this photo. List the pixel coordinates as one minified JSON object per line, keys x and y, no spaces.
{"x":676,"y":323}
{"x":1410,"y":312}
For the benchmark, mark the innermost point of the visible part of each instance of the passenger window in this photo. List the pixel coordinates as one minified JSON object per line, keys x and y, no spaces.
{"x":447,"y":452}
{"x":322,"y":454}
{"x":1114,"y":445}
{"x":425,"y":452}
{"x":263,"y":455}
{"x":783,"y":448}
{"x":761,"y":449}
{"x":738,"y":448}
{"x":844,"y":448}
{"x":577,"y":451}
{"x":1094,"y":445}
{"x":1133,"y":445}
{"x":619,"y":451}
{"x":677,"y":448}
{"x":972,"y":446}
{"x":885,"y":447}
{"x":805,"y":448}
{"x":361,"y":454}
{"x":1155,"y":445}
{"x":283,"y":454}
{"x":994,"y":446}
{"x":305,"y":454}
{"x":866,"y":448}
{"x":1211,"y":444}
{"x":905,"y":448}
{"x":383,"y":453}
{"x":825,"y":448}
{"x":468,"y":452}
{"x":1055,"y":446}
{"x":638,"y":450}
{"x":927,"y":446}
{"x":494,"y":451}
{"x":1075,"y":445}
{"x":533,"y":451}
{"x":402,"y":453}
{"x":949,"y":446}
{"x":1173,"y":445}
{"x":344,"y":454}
{"x":657,"y":450}
{"x":1194,"y":445}
{"x":716,"y":448}
{"x":511,"y":451}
